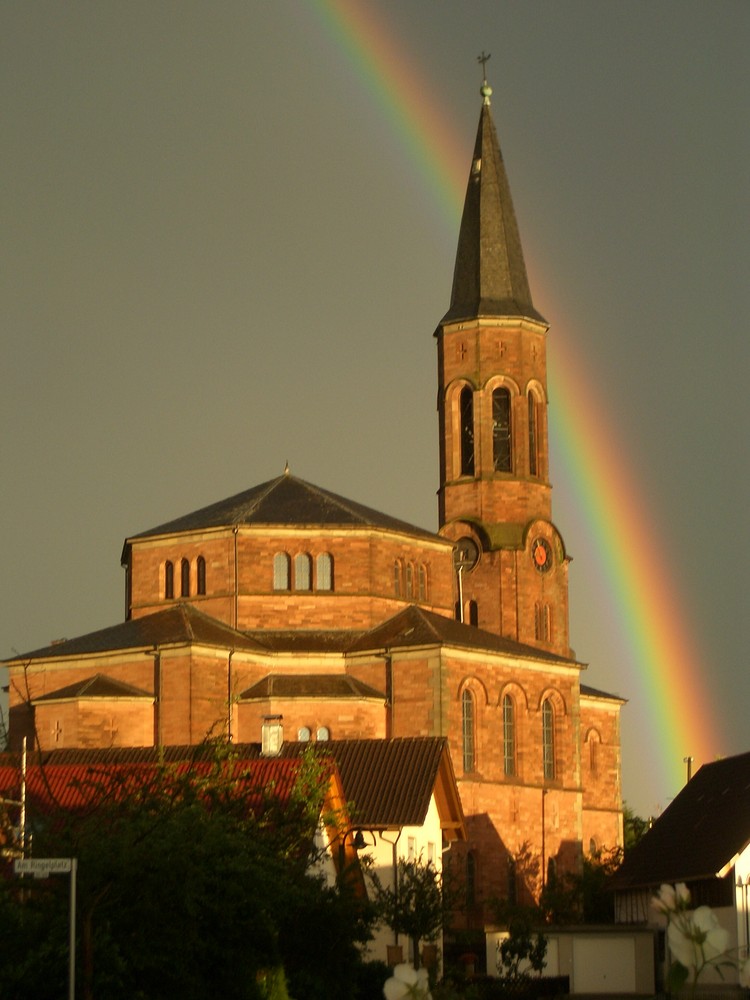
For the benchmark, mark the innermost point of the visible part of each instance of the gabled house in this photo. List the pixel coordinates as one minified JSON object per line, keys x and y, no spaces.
{"x":403,"y":803}
{"x":703,"y":840}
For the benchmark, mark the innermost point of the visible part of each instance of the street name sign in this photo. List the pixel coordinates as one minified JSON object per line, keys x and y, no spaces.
{"x":43,"y":867}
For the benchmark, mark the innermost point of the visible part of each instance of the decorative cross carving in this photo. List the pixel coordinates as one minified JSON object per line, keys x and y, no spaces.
{"x":57,"y":732}
{"x":461,"y":351}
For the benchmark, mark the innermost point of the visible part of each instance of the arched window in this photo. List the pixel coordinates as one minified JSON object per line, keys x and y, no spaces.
{"x":281,"y":571}
{"x":324,"y":571}
{"x":168,"y":580}
{"x":304,"y":734}
{"x":472,"y":616}
{"x":185,"y":578}
{"x":501,"y":437}
{"x":548,"y":739}
{"x":533,"y":436}
{"x":409,"y":581}
{"x":302,"y":571}
{"x":422,"y":582}
{"x":322,"y":734}
{"x":466,"y":418}
{"x":509,"y":736}
{"x":200,"y":569}
{"x":467,"y":729}
{"x":397,"y":578}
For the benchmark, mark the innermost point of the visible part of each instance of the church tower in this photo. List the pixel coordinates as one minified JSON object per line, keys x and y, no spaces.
{"x":495,"y":494}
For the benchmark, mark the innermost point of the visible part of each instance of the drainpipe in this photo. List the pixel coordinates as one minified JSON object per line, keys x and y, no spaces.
{"x":235,"y":610}
{"x":229,"y":695}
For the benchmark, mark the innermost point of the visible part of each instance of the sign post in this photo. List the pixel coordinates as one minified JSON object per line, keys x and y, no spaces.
{"x":43,"y":868}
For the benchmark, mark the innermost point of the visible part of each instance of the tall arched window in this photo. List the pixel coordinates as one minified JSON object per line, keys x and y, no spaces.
{"x":548,"y":739}
{"x":466,"y":417}
{"x":501,"y":436}
{"x":409,"y":581}
{"x":422,"y":582}
{"x":281,"y":571}
{"x":509,"y":736}
{"x":533,"y":436}
{"x":324,"y":571}
{"x":185,"y":578}
{"x":302,"y":571}
{"x":200,"y":573}
{"x":168,"y":580}
{"x":467,"y":729}
{"x":397,"y":586}
{"x":472,"y":615}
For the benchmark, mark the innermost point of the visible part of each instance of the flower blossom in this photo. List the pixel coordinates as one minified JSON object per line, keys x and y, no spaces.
{"x":696,"y":938}
{"x":407,"y":983}
{"x":672,"y":898}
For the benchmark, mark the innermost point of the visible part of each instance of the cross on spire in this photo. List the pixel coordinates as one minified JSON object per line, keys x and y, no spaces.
{"x":485,"y":90}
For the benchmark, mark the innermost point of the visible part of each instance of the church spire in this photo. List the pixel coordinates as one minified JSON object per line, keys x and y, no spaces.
{"x":490,"y":274}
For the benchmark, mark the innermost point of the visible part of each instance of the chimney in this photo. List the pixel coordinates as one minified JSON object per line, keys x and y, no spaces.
{"x":272,"y":735}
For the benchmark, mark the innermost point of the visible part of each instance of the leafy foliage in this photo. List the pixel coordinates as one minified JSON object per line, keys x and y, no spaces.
{"x":192,"y":883}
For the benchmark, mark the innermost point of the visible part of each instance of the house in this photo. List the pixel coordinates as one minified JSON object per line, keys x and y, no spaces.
{"x":287,"y":600}
{"x":702,"y":839}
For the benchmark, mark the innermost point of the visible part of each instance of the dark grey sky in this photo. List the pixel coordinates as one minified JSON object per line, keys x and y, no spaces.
{"x":220,"y":255}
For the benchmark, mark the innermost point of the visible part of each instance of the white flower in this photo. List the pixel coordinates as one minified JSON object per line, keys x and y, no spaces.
{"x":407,"y":982}
{"x":671,"y":899}
{"x":696,"y":938}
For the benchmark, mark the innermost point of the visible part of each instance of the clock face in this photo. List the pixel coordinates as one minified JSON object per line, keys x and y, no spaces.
{"x":466,"y":554}
{"x":541,"y":553}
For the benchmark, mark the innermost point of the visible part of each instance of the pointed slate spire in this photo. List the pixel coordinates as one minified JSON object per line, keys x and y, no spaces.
{"x":490,"y":274}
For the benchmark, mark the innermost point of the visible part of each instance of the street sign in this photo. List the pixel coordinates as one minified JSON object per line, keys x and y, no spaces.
{"x":43,"y":867}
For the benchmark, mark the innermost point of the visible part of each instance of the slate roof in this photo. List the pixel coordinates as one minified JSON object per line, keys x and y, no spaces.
{"x":177,"y":624}
{"x":285,"y":500}
{"x":700,"y":833}
{"x":490,"y":273}
{"x":415,"y":626}
{"x":605,"y":695}
{"x":310,"y":686}
{"x":98,"y":686}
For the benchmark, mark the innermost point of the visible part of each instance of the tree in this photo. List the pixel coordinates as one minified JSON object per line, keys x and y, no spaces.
{"x":634,"y":827}
{"x":193,"y":882}
{"x":415,"y":905}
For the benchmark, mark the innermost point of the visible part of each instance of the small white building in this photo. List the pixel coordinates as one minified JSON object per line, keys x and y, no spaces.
{"x":403,"y":803}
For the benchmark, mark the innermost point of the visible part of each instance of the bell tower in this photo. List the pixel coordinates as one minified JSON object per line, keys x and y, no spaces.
{"x":495,"y":494}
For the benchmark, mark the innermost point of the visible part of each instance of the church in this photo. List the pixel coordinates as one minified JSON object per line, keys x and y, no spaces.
{"x":288,"y":613}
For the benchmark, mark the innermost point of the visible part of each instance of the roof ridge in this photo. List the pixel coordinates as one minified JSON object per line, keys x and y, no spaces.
{"x":271,"y":485}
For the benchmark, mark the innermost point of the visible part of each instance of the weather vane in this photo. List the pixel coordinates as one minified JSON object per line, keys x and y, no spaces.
{"x":483,"y":59}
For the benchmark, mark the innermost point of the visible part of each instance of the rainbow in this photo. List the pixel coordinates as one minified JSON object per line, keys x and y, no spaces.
{"x":653,"y":634}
